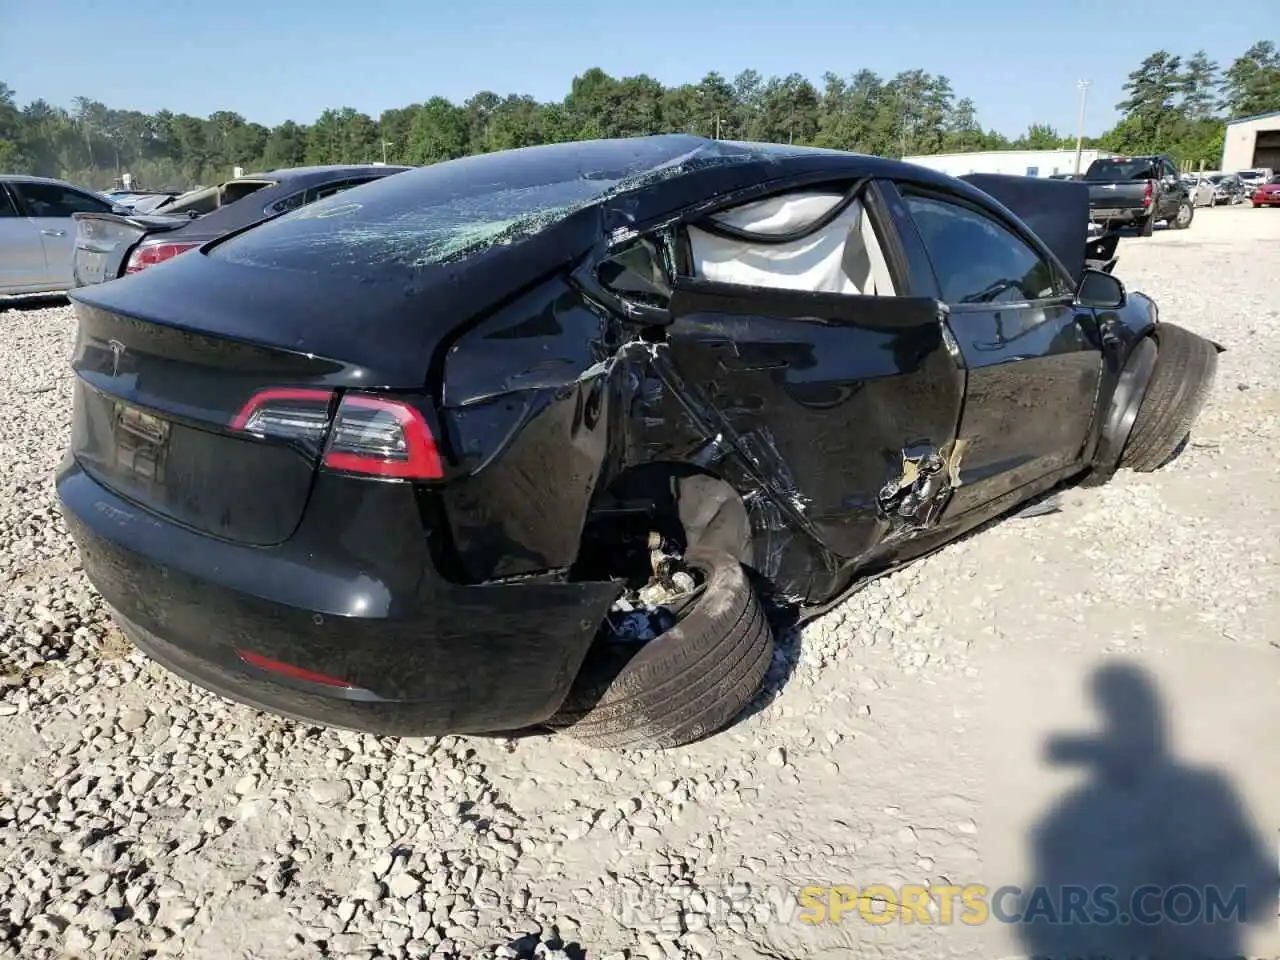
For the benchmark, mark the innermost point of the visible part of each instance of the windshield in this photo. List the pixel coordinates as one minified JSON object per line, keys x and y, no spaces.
{"x":1121,"y":170}
{"x":454,"y":209}
{"x":1275,"y":179}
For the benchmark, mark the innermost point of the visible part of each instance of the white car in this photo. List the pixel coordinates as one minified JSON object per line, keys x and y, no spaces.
{"x":37,"y":234}
{"x":1253,"y":179}
{"x":1199,"y":191}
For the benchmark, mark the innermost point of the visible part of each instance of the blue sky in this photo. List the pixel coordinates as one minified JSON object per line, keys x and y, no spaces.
{"x":1018,"y":61}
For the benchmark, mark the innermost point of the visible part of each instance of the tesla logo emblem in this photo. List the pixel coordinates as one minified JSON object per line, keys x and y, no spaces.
{"x":117,"y":351}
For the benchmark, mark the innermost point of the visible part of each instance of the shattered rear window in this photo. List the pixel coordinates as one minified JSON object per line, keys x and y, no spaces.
{"x":451,"y":210}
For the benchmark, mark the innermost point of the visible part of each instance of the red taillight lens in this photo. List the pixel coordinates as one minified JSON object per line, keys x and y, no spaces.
{"x":382,"y":438}
{"x":370,"y":435}
{"x":1148,"y":196}
{"x":286,"y":413}
{"x":149,"y":254}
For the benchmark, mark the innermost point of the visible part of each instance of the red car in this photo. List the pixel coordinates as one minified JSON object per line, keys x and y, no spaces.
{"x":1268,"y":193}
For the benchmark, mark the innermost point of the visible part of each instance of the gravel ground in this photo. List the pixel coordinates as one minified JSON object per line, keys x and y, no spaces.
{"x":141,"y":816}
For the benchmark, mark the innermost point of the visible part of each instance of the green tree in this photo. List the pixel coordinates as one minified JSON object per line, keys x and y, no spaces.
{"x":286,"y":146}
{"x":1153,"y":89}
{"x":1040,"y":136}
{"x":1200,"y":87}
{"x":1251,"y":85}
{"x":439,"y":132}
{"x":12,"y":131}
{"x":1169,"y":107}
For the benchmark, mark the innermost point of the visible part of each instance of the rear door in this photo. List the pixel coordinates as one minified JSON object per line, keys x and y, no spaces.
{"x":22,"y":262}
{"x":50,"y":206}
{"x":1033,"y":359}
{"x":839,"y":399}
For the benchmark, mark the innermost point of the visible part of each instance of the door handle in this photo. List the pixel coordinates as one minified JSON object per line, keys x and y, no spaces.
{"x":53,"y":233}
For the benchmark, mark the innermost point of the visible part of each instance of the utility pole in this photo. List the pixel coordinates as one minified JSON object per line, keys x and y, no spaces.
{"x":1083,"y":85}
{"x":385,"y":144}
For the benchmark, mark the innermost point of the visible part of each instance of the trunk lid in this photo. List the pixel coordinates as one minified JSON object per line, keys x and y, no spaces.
{"x":103,"y":242}
{"x":154,"y":408}
{"x":166,"y":365}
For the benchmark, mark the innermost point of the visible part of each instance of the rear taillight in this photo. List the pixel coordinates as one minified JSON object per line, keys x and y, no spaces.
{"x":1148,"y":195}
{"x":382,"y":438}
{"x":369,"y":435}
{"x":285,"y":413}
{"x":149,"y":254}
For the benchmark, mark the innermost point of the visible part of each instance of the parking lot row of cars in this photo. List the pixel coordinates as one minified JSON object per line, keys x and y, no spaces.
{"x":55,"y":235}
{"x":1142,"y":191}
{"x":1214,"y":188}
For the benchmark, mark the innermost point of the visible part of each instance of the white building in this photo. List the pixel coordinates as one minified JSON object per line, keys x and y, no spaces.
{"x":1026,"y":163}
{"x":1252,"y":142}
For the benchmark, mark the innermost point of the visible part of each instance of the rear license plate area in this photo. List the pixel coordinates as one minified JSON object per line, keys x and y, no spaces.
{"x":91,"y":266}
{"x":141,"y":442}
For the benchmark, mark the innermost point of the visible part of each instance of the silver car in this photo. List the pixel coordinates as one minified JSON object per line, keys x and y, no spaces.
{"x":37,"y":234}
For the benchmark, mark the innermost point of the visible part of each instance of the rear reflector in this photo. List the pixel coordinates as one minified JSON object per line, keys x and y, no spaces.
{"x":382,"y":438}
{"x":289,"y":670}
{"x":149,"y":254}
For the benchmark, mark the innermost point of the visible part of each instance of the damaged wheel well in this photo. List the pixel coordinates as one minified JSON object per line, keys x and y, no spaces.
{"x":687,"y":505}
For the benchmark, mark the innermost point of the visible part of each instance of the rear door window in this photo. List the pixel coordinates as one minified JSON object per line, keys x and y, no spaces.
{"x":234,"y":190}
{"x":55,"y":200}
{"x":312,"y":194}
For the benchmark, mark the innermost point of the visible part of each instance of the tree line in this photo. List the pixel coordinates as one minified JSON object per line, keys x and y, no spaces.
{"x":1172,"y":105}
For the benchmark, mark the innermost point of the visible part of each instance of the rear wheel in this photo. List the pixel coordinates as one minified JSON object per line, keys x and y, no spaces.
{"x":1184,"y":372}
{"x":683,"y":684}
{"x":1182,"y":219}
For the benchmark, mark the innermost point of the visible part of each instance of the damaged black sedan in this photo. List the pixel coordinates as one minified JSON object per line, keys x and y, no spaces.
{"x":524,"y":439}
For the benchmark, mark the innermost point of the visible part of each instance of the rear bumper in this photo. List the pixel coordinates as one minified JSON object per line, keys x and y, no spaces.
{"x":434,"y":658}
{"x":1116,"y":215}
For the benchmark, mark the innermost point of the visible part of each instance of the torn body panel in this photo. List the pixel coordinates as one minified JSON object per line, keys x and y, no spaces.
{"x":1033,"y":381}
{"x":824,"y":405}
{"x":533,"y":400}
{"x":914,"y":499}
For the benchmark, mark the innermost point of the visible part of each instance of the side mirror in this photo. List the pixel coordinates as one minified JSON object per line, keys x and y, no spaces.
{"x":1100,"y":290}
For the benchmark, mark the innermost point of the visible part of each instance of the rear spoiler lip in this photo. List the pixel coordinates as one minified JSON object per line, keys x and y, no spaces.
{"x":145,"y":221}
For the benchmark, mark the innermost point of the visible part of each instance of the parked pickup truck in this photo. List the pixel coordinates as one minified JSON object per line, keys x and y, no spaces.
{"x":1137,"y":191}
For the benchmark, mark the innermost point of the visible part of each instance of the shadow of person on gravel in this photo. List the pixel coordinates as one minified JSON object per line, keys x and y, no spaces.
{"x":1149,"y":857}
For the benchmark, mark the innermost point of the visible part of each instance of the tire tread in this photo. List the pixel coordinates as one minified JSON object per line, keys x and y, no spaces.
{"x":1185,"y":368}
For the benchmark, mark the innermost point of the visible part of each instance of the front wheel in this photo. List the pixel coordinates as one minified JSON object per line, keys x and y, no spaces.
{"x":1182,"y":219}
{"x":1184,"y":373}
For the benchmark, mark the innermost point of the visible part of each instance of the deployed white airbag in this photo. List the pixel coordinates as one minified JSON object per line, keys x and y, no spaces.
{"x":842,"y":257}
